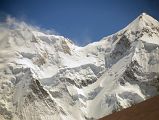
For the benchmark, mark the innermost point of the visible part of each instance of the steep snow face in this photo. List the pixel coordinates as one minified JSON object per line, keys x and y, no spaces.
{"x":45,"y":77}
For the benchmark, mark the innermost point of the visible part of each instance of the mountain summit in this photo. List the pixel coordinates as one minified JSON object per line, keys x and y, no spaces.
{"x":142,"y":21}
{"x":48,"y":77}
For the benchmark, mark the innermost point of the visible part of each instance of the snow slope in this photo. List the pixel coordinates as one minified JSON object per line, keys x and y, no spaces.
{"x":48,"y":77}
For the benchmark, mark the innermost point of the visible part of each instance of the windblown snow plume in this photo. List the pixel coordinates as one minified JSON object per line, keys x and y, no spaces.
{"x":48,"y":77}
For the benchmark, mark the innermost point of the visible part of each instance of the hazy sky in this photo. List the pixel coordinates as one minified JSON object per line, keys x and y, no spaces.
{"x":83,"y":21}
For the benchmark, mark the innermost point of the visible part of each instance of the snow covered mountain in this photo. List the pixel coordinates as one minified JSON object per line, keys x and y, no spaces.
{"x":48,"y":77}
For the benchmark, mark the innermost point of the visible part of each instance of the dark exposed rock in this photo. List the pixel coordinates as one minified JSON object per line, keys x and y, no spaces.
{"x":38,"y":89}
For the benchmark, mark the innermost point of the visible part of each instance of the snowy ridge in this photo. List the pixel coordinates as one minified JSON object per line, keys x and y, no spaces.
{"x":48,"y":77}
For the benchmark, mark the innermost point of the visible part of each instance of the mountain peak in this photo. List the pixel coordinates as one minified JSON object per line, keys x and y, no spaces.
{"x":142,"y":21}
{"x":145,"y":16}
{"x":143,"y":13}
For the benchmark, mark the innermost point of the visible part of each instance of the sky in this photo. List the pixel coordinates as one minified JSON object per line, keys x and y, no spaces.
{"x":82,"y":21}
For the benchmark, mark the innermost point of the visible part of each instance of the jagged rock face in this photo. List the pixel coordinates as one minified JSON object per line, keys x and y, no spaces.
{"x":47,"y":77}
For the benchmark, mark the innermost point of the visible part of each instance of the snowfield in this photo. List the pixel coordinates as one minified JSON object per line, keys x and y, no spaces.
{"x":48,"y":77}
